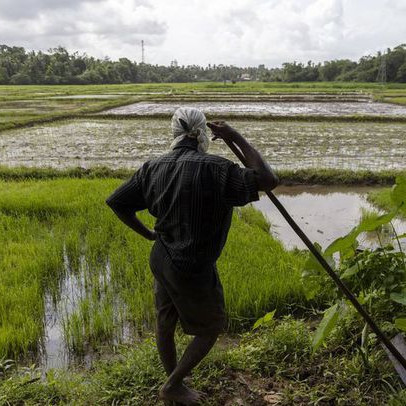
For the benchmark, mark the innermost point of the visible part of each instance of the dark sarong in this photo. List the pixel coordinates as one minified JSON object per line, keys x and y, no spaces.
{"x":194,"y":297}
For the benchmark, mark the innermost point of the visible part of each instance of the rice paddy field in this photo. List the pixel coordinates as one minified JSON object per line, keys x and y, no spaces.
{"x":23,"y":105}
{"x":128,"y":143}
{"x":281,"y":107}
{"x":75,"y":284}
{"x":63,"y":250}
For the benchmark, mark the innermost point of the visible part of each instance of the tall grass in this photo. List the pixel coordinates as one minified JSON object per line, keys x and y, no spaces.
{"x":55,"y":229}
{"x":308,"y":176}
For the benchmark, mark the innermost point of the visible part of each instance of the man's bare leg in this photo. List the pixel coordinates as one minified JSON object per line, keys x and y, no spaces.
{"x":174,"y":388}
{"x":165,"y":340}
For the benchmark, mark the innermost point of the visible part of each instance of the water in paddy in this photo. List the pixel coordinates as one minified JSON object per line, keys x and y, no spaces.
{"x":323,"y":213}
{"x":54,"y":351}
{"x":128,"y":143}
{"x":260,"y":108}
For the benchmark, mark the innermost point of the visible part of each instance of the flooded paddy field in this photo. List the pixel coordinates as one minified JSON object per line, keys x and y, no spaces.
{"x":128,"y":143}
{"x":196,"y":96}
{"x":324,"y":214}
{"x":287,"y":108}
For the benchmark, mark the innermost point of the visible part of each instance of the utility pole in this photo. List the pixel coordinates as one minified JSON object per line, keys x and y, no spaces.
{"x":142,"y":52}
{"x":381,"y":77}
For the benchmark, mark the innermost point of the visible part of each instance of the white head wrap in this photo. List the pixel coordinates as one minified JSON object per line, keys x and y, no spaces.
{"x":190,"y":122}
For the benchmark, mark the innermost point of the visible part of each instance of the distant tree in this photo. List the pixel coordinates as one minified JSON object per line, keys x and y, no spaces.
{"x":57,"y":66}
{"x":35,"y":67}
{"x":394,"y":60}
{"x":330,"y":70}
{"x":90,"y":77}
{"x":126,"y":70}
{"x":20,"y":79}
{"x":4,"y":79}
{"x":12,"y":59}
{"x":401,"y":74}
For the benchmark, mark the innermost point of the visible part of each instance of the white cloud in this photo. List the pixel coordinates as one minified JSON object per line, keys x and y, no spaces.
{"x":240,"y":32}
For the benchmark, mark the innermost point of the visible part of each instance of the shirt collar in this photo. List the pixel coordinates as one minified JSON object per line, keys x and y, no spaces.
{"x":187,"y":142}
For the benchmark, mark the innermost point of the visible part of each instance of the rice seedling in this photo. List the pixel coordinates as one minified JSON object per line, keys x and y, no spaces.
{"x":51,"y":230}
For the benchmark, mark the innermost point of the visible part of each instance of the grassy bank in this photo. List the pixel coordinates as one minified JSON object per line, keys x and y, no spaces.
{"x":312,"y":176}
{"x":56,"y":230}
{"x":13,"y":115}
{"x":15,"y":92}
{"x":275,"y":365}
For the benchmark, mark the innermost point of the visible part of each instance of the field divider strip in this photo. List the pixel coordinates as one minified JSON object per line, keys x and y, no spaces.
{"x":259,"y":117}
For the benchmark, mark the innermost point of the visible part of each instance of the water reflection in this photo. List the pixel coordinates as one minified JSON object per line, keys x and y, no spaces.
{"x":324,"y":214}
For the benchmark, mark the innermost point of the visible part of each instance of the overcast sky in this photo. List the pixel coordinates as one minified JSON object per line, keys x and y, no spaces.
{"x":239,"y":32}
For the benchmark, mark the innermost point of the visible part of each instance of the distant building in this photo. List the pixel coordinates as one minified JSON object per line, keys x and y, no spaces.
{"x":245,"y":76}
{"x":174,"y":63}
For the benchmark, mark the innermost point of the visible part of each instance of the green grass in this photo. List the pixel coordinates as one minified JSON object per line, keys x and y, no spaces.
{"x":51,"y":228}
{"x":313,"y":176}
{"x":16,"y":92}
{"x":274,"y":360}
{"x":397,"y":100}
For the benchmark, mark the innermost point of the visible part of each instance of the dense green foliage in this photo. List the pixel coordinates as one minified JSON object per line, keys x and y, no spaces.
{"x":17,"y":66}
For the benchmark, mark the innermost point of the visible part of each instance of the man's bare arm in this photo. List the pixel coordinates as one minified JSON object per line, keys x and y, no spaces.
{"x":129,"y":218}
{"x":266,"y":177}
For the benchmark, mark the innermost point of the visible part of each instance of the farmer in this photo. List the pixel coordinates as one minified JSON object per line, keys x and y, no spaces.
{"x":191,"y":194}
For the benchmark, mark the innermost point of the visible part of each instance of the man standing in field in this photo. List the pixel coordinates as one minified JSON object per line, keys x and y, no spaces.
{"x":191,"y":194}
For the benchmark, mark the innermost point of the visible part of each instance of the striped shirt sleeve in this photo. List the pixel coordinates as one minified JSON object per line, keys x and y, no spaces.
{"x":240,"y":185}
{"x":129,"y":196}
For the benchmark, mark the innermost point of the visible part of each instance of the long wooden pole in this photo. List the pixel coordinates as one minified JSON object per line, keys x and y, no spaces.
{"x":388,"y":344}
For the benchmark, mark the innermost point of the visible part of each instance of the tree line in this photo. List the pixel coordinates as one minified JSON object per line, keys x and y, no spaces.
{"x":58,"y":66}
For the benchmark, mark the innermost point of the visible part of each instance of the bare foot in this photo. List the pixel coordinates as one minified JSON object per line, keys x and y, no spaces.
{"x":181,"y":394}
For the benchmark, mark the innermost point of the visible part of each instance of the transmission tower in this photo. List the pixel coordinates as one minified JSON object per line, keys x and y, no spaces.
{"x":142,"y":52}
{"x":381,"y":77}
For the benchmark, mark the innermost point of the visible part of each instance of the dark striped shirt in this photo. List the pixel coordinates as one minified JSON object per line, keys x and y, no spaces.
{"x":191,"y":194}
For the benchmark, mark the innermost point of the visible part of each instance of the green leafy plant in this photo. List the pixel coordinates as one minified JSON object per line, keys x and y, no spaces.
{"x":266,"y":320}
{"x":377,"y":277}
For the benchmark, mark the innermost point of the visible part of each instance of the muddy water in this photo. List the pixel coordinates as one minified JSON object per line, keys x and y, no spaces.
{"x":258,"y":108}
{"x":128,"y":143}
{"x":324,"y":214}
